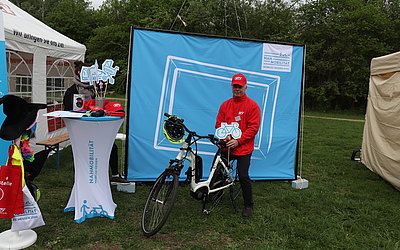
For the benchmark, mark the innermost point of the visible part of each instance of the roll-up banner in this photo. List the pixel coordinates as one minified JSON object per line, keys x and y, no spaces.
{"x":189,"y":75}
{"x":3,"y":85}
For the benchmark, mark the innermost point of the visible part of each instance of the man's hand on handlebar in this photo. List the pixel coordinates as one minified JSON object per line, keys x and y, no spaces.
{"x":230,"y":142}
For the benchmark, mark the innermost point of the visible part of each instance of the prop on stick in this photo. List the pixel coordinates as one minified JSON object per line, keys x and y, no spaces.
{"x":100,"y":77}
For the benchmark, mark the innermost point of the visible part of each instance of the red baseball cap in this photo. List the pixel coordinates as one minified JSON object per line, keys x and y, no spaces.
{"x":239,"y":79}
{"x":114,"y":109}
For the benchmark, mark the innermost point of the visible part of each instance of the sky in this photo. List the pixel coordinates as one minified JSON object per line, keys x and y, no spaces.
{"x":96,"y":3}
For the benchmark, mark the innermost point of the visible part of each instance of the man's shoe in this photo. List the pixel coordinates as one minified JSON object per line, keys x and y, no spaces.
{"x":115,"y":180}
{"x":247,"y":212}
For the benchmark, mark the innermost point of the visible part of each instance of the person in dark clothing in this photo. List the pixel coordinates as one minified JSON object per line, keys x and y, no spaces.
{"x":68,"y":97}
{"x":115,"y":176}
{"x":246,"y":112}
{"x":78,"y":88}
{"x":88,"y":90}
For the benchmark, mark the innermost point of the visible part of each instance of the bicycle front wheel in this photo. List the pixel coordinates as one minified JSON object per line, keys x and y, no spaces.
{"x":159,"y":203}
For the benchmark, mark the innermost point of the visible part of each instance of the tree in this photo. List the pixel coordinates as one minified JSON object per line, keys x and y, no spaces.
{"x":111,"y":39}
{"x":73,"y":18}
{"x":33,"y":7}
{"x":272,"y":20}
{"x":342,"y":37}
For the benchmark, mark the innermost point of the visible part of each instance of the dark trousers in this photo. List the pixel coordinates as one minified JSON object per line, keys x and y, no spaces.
{"x":243,"y":165}
{"x":114,"y":160}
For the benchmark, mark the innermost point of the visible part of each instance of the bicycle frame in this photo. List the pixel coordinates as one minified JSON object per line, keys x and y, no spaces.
{"x":186,"y":153}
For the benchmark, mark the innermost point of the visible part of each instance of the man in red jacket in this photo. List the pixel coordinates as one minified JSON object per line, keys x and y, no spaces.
{"x":246,"y":112}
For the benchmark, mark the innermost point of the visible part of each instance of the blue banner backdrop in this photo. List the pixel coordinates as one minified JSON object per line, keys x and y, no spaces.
{"x":189,"y":76}
{"x":3,"y":88}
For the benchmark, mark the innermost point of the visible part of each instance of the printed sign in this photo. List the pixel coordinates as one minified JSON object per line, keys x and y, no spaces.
{"x":276,"y":57}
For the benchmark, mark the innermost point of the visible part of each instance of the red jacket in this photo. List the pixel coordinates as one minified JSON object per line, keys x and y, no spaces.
{"x":246,"y":112}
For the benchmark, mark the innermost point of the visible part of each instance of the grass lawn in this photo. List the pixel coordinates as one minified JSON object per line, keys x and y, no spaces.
{"x":345,"y":207}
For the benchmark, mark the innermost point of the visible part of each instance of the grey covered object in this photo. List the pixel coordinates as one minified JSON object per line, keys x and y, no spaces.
{"x":381,"y":137}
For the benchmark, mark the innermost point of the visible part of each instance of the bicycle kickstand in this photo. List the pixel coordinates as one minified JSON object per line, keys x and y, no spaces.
{"x":204,"y":209}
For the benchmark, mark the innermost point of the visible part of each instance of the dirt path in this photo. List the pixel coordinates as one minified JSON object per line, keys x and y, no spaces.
{"x":332,"y":118}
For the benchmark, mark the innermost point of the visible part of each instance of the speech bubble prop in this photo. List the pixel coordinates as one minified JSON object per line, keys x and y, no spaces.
{"x":94,"y":75}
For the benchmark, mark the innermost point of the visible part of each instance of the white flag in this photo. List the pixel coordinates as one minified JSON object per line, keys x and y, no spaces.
{"x":180,"y":18}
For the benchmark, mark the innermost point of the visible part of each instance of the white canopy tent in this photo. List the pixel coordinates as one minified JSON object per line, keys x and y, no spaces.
{"x":39,"y":64}
{"x":381,"y":138}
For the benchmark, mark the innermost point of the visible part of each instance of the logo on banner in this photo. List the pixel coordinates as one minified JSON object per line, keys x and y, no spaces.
{"x":226,"y":129}
{"x":30,"y":208}
{"x":92,"y":163}
{"x":6,"y":183}
{"x":277,"y":57}
{"x":93,"y":211}
{"x":31,"y":211}
{"x":6,"y":9}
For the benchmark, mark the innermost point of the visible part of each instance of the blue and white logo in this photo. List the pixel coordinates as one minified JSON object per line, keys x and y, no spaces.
{"x":226,"y":129}
{"x":94,"y":75}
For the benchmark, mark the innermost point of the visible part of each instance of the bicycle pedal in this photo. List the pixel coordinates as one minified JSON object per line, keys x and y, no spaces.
{"x":206,"y":211}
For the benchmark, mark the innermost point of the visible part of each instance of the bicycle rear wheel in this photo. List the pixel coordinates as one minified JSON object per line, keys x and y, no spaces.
{"x":159,"y":203}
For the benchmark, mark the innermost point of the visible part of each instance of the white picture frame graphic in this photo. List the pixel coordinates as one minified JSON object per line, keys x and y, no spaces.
{"x":264,"y":86}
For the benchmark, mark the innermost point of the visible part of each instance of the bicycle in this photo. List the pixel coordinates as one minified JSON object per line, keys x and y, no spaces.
{"x":163,"y":194}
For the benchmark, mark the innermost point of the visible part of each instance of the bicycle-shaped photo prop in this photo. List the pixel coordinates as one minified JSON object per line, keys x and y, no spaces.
{"x":210,"y":192}
{"x":228,"y":129}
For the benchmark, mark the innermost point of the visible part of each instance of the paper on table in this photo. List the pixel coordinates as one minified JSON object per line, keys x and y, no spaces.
{"x":68,"y":114}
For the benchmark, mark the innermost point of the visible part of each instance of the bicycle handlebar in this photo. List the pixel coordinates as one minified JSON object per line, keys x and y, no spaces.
{"x":210,"y":137}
